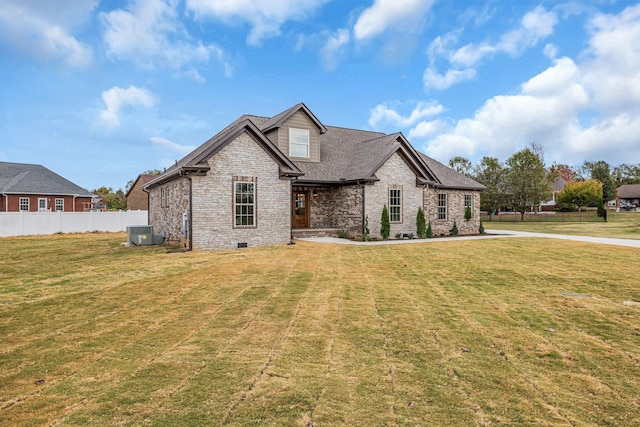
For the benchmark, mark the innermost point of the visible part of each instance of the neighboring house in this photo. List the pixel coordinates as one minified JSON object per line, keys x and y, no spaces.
{"x":558,"y":186}
{"x":34,"y":188}
{"x":263,"y":179}
{"x":137,"y":199}
{"x":628,"y":196}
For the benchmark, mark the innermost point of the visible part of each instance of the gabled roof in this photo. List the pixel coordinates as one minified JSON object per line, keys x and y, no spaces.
{"x":629,"y":191}
{"x":142,"y":179}
{"x":277,"y":120}
{"x":346,"y":155}
{"x":22,"y":178}
{"x":196,"y":161}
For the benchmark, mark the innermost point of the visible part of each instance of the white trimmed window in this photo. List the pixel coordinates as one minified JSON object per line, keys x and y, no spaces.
{"x":395,"y":204}
{"x":299,"y":143}
{"x":442,"y":206}
{"x":244,"y":202}
{"x":468,"y":202}
{"x":24,"y":204}
{"x":59,"y":205}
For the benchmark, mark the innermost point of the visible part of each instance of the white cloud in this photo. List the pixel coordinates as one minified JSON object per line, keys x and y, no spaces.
{"x":577,"y":111}
{"x":383,"y":114}
{"x":265,"y":16}
{"x":150,"y":33}
{"x":545,"y":111}
{"x":534,"y":26}
{"x":116,"y":98}
{"x":426,"y":129}
{"x":170,"y":145}
{"x":433,"y":80}
{"x":42,"y":30}
{"x":333,"y":48}
{"x":385,"y":14}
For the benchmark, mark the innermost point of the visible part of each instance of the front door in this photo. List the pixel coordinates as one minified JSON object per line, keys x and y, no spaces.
{"x":300,"y":209}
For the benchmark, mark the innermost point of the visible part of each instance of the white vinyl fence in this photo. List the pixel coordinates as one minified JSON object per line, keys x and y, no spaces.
{"x":25,"y":223}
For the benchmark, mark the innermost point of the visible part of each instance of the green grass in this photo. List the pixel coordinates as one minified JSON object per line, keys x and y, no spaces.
{"x":441,"y":333}
{"x":620,"y":225}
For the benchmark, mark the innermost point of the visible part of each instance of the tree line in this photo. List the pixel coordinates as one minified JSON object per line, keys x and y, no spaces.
{"x":523,"y":182}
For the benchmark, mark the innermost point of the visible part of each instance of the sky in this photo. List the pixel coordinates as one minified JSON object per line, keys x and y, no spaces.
{"x":100,"y":91}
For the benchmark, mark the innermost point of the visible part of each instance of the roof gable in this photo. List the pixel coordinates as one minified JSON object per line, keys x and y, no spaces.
{"x":22,"y":178}
{"x":279,"y":119}
{"x":196,"y":161}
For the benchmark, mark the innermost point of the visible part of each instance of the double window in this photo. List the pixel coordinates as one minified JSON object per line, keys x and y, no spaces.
{"x":442,"y":206}
{"x":24,"y":204}
{"x":395,"y":203}
{"x":165,"y":197}
{"x":299,"y":143}
{"x":244,"y":201}
{"x":59,"y":205}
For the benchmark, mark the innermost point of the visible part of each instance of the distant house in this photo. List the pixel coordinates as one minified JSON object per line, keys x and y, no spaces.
{"x":137,"y":198}
{"x":263,"y":180}
{"x":558,"y":186}
{"x":628,"y":196}
{"x":34,"y":188}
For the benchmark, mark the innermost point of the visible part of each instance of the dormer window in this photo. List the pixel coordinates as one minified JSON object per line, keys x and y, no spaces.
{"x":299,"y":143}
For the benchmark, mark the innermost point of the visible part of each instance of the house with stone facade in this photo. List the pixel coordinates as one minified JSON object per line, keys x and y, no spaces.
{"x":263,"y":180}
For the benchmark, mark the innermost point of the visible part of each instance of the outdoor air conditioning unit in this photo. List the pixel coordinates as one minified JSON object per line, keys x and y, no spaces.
{"x":140,"y":235}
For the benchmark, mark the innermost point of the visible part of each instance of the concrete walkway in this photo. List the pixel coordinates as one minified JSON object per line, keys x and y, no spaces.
{"x":491,"y":234}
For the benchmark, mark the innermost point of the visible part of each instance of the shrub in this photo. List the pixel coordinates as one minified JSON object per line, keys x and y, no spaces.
{"x":385,"y":223}
{"x":454,"y":229}
{"x":429,"y":232}
{"x":467,"y":213}
{"x":481,"y":229}
{"x":421,"y":226}
{"x":366,"y":236}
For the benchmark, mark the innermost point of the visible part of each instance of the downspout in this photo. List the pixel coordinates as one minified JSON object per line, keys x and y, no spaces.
{"x":74,"y":202}
{"x":6,"y":202}
{"x":363,"y":210}
{"x":190,"y":214}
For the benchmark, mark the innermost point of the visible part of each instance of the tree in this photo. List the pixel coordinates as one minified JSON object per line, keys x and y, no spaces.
{"x":581,"y":193}
{"x":491,"y":173}
{"x":113,"y":200}
{"x":528,"y":182}
{"x":565,"y":172}
{"x":421,"y":226}
{"x":385,"y":223}
{"x":429,"y":231}
{"x":626,"y":174}
{"x":462,"y":165}
{"x":600,"y":171}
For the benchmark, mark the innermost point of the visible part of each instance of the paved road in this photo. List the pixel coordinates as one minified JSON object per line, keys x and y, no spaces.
{"x":491,"y":234}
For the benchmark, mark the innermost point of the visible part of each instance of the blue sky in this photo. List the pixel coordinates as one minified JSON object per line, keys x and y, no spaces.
{"x":99,"y":91}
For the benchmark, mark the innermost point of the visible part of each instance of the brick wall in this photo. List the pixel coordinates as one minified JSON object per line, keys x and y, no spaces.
{"x":336,"y":207}
{"x":168,"y":218}
{"x":455,"y":211}
{"x":213,"y":216}
{"x":393,"y":174}
{"x":12,"y":202}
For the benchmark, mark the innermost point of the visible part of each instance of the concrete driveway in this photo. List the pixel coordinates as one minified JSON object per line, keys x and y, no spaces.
{"x":491,"y":234}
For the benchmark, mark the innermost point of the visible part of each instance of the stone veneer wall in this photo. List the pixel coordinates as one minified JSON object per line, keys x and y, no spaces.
{"x":394,"y":172}
{"x":168,"y":219}
{"x":213,"y":216}
{"x":336,"y":207}
{"x":455,"y":211}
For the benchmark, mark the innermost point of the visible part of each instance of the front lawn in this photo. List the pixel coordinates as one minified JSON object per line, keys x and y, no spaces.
{"x":493,"y":331}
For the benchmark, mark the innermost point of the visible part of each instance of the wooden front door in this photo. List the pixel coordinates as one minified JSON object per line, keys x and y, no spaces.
{"x":300,"y":209}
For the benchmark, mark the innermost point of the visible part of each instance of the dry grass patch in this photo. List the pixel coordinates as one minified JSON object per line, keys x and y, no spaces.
{"x":448,"y":333}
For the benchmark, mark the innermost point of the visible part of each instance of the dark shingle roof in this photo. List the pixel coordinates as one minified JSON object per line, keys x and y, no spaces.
{"x":21,"y":178}
{"x":629,"y":191}
{"x":449,"y":178}
{"x":346,"y":155}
